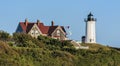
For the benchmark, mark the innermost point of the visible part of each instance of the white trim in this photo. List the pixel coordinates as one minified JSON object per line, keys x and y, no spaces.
{"x":37,"y":29}
{"x":59,"y":27}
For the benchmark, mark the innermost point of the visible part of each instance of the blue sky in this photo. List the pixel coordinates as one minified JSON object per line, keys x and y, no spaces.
{"x":67,"y":13}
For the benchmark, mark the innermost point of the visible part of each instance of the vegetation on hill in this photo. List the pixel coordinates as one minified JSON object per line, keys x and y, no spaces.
{"x":23,"y":50}
{"x":95,"y":46}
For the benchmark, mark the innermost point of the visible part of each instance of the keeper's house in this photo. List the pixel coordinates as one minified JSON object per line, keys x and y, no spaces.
{"x":38,"y":28}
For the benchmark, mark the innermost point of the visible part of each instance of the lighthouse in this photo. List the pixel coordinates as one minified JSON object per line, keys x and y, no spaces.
{"x":90,"y":36}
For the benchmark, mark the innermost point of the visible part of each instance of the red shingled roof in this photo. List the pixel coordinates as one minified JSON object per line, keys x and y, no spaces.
{"x":44,"y":29}
{"x":26,"y":28}
{"x":51,"y":29}
{"x":23,"y":26}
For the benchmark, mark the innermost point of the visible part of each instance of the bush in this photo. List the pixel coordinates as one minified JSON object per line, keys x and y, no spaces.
{"x":4,"y":35}
{"x":25,"y":40}
{"x":52,"y":43}
{"x":21,"y":37}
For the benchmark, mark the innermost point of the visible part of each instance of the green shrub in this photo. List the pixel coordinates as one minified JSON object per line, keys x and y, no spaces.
{"x":4,"y":36}
{"x":46,"y":51}
{"x":25,"y":40}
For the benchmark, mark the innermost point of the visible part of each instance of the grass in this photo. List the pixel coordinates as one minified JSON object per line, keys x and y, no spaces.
{"x":51,"y":52}
{"x":95,"y":46}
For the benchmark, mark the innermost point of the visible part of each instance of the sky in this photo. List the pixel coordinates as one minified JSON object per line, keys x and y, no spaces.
{"x":66,"y":13}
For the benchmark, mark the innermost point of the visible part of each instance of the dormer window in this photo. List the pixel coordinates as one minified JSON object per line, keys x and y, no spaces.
{"x":36,"y":32}
{"x":58,"y":32}
{"x":32,"y":32}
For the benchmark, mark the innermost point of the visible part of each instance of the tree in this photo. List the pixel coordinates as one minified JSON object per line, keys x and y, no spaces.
{"x":4,"y":35}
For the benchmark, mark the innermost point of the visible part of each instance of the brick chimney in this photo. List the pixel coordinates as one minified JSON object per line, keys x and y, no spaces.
{"x":38,"y":22}
{"x":26,"y":22}
{"x":52,"y":23}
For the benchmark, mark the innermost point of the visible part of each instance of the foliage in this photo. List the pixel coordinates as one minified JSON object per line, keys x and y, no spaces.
{"x":54,"y":43}
{"x":25,"y":40}
{"x":4,"y":35}
{"x":45,"y":51}
{"x":21,"y":37}
{"x":95,"y":47}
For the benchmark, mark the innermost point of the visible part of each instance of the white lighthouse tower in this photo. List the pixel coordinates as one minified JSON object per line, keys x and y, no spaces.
{"x":90,"y":36}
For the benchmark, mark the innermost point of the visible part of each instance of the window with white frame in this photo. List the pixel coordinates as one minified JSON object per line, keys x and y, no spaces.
{"x":32,"y":32}
{"x":36,"y":32}
{"x":58,"y":32}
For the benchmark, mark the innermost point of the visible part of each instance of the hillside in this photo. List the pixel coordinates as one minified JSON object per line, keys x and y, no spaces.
{"x":23,"y":50}
{"x":95,"y":47}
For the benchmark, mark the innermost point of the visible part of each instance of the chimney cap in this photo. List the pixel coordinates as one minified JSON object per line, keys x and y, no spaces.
{"x":52,"y":23}
{"x":38,"y":20}
{"x":26,"y":20}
